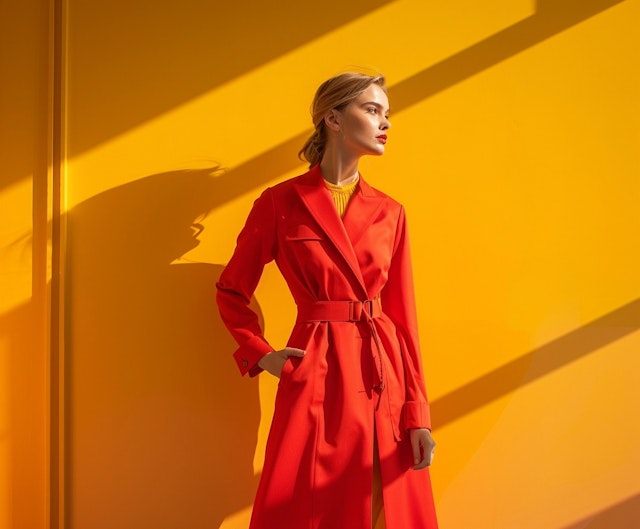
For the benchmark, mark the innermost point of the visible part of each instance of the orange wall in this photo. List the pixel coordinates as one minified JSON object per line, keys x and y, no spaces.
{"x":514,"y":148}
{"x":24,"y":143}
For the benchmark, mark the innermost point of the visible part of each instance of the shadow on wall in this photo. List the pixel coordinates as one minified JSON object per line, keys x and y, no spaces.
{"x":509,"y":377}
{"x":623,"y":515}
{"x":204,"y":44}
{"x":161,"y":427}
{"x":551,"y":17}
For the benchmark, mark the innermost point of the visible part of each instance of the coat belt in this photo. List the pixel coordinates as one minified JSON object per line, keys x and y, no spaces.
{"x":340,"y":310}
{"x":352,"y":311}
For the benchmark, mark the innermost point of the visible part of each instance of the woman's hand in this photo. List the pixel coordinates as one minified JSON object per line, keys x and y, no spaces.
{"x":274,"y":362}
{"x":423,"y":447}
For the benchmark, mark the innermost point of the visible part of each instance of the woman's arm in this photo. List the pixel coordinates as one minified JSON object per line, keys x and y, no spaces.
{"x":398,"y":302}
{"x":255,"y":247}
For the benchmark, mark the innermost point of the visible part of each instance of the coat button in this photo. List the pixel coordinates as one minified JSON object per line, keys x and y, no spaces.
{"x":245,"y":363}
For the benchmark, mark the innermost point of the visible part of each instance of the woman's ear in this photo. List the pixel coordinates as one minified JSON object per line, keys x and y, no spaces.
{"x":332,"y":120}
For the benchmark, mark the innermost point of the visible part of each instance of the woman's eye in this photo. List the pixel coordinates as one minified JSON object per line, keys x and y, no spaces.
{"x":372,"y":110}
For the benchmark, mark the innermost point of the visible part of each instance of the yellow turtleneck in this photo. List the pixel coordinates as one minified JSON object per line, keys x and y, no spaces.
{"x":341,"y":195}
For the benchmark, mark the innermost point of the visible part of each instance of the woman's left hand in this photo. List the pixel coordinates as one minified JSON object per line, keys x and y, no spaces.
{"x":423,"y":447}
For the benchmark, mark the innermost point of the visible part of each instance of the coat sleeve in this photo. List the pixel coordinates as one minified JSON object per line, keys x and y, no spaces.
{"x":398,"y":303}
{"x":255,"y":247}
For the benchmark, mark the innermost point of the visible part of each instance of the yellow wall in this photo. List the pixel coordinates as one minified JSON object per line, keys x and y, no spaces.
{"x":514,"y":148}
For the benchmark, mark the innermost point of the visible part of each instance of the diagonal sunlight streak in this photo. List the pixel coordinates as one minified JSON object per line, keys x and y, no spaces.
{"x":548,"y":358}
{"x":551,"y":17}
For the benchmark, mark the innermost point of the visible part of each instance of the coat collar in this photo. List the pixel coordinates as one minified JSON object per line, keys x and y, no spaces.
{"x":343,"y":233}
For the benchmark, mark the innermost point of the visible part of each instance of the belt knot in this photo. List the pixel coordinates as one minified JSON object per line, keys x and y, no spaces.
{"x":369,"y":308}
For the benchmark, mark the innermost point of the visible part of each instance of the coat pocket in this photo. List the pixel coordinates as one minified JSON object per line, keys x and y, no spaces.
{"x":300,"y":338}
{"x":287,"y":368}
{"x":302,"y":232}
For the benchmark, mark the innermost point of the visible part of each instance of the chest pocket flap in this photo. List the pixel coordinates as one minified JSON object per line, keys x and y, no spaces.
{"x":302,"y":232}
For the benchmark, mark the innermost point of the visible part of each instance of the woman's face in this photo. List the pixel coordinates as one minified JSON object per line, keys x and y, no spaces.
{"x":363,"y":122}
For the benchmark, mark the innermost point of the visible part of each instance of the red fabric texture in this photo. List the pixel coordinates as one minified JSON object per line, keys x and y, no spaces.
{"x":318,"y":467}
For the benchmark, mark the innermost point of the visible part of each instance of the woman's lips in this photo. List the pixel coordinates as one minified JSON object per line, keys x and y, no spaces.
{"x":382,"y":138}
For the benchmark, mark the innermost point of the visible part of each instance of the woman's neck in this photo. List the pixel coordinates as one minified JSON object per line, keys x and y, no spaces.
{"x":338,"y":168}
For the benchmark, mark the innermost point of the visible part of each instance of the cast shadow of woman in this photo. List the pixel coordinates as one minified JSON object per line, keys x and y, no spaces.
{"x":161,"y":428}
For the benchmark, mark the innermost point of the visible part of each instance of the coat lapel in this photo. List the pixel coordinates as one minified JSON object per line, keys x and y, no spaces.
{"x":362,"y":210}
{"x":318,"y":201}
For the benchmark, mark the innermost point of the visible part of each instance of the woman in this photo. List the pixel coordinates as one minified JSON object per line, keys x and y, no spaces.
{"x":351,"y":427}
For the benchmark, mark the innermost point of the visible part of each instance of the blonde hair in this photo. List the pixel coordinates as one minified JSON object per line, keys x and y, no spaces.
{"x":335,"y":93}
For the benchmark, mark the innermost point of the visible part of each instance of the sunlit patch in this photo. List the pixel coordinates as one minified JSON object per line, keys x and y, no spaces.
{"x":15,"y":244}
{"x":238,"y":519}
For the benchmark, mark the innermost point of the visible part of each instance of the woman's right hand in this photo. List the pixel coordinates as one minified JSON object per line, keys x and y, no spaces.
{"x":274,"y":362}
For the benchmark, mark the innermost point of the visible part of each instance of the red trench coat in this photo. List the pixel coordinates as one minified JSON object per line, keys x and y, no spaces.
{"x":361,"y":375}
